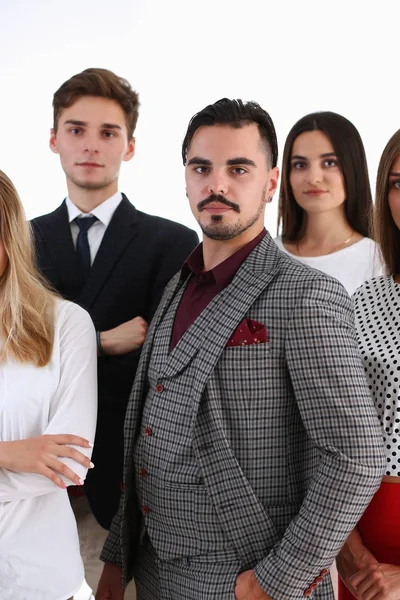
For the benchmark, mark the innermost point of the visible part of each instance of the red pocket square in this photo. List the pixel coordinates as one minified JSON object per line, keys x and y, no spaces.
{"x":247,"y":333}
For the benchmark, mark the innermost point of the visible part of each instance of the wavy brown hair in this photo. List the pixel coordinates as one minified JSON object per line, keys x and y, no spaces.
{"x":349,"y":149}
{"x":386,"y":232}
{"x":26,"y":304}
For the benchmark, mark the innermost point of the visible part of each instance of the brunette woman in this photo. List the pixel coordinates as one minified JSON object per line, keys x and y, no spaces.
{"x":369,"y":563}
{"x":325,"y":200}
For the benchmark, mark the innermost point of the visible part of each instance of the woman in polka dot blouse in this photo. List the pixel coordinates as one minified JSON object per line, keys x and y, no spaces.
{"x":369,"y":563}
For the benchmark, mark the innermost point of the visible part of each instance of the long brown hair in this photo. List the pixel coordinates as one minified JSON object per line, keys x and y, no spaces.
{"x":349,"y":149}
{"x":26,"y":305}
{"x":386,"y":232}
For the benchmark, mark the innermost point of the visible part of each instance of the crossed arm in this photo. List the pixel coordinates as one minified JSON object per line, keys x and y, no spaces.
{"x":61,"y":455}
{"x":365,"y":577}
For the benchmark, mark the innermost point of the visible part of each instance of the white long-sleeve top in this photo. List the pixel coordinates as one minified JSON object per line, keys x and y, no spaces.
{"x":39,"y":546}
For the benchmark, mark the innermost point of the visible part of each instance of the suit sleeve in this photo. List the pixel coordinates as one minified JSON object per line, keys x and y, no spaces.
{"x":112,"y":549}
{"x":336,"y":409}
{"x":73,"y":405}
{"x":171,"y":260}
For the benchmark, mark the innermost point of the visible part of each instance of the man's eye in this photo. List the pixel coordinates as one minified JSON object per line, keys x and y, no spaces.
{"x":201,"y":169}
{"x":109,"y":134}
{"x":75,"y":130}
{"x":239,"y":171}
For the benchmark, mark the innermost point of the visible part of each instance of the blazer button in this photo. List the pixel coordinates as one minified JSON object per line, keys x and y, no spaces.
{"x":159,"y":388}
{"x":146,"y":509}
{"x":143,"y":472}
{"x":148,"y":431}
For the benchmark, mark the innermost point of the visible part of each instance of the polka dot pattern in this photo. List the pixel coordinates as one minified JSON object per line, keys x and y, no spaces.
{"x":377,"y":309}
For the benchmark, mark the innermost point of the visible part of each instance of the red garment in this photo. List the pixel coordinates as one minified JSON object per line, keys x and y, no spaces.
{"x":379,"y":528}
{"x":205,"y":285}
{"x":247,"y":333}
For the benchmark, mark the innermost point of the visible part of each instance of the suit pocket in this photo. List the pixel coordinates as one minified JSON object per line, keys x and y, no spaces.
{"x":244,"y":372}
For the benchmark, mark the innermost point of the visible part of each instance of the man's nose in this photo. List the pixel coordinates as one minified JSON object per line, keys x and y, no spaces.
{"x":218,"y":184}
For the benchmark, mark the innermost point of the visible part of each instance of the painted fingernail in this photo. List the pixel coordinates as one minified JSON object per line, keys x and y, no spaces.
{"x":90,"y":444}
{"x":80,"y":481}
{"x":64,"y":487}
{"x":91,"y":465}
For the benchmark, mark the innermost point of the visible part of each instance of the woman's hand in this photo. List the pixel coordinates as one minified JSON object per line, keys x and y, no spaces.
{"x":40,"y":455}
{"x":352,"y":558}
{"x":382,"y":582}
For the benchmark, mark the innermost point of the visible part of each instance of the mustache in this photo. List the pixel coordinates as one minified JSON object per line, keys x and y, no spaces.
{"x":220,"y":199}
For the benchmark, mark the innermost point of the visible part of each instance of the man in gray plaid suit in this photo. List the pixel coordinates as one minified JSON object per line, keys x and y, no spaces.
{"x":251,"y":443}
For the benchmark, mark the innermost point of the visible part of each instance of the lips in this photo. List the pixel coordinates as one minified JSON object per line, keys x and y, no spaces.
{"x":216,"y":208}
{"x":89,"y":164}
{"x":315,"y":192}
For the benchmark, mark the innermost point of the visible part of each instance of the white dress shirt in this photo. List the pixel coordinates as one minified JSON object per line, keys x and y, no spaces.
{"x":103,"y":212}
{"x":39,"y":546}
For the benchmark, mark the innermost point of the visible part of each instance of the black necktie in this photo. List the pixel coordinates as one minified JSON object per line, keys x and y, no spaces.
{"x":82,"y":243}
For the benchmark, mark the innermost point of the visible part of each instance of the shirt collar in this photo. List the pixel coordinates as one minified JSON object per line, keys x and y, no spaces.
{"x":223,"y":273}
{"x":103,"y":211}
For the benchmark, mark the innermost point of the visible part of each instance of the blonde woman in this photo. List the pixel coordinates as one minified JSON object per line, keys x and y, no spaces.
{"x":48,"y":396}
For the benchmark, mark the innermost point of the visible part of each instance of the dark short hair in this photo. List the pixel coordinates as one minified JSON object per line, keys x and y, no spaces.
{"x":386,"y":232}
{"x":101,"y":83}
{"x":234,"y":113}
{"x":349,"y":149}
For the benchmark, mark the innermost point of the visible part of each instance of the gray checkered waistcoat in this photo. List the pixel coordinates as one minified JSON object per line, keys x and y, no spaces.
{"x":284,"y":433}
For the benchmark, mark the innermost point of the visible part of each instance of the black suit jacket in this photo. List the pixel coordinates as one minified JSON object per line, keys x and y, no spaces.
{"x":137,"y":257}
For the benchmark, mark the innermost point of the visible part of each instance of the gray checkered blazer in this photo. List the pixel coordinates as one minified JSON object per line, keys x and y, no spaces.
{"x":285,"y":433}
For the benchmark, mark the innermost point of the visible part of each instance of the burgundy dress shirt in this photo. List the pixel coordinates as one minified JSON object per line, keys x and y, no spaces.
{"x":203,"y":286}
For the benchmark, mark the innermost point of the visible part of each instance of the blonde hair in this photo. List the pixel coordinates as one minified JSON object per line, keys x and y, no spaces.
{"x":26,"y":304}
{"x":386,"y":232}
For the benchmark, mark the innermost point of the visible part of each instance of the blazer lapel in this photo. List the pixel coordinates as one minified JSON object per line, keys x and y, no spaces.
{"x":58,"y":240}
{"x":118,"y":234}
{"x":135,"y":404}
{"x":212,"y":329}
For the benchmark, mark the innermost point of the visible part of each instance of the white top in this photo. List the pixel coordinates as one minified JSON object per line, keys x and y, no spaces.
{"x":39,"y":546}
{"x":103,"y":212}
{"x":351,"y":266}
{"x":377,"y":306}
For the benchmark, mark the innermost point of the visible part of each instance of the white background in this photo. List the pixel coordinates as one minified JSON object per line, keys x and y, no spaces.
{"x":180,"y":55}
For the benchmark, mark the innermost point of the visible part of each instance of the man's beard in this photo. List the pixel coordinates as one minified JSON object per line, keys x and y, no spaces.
{"x":217,"y":229}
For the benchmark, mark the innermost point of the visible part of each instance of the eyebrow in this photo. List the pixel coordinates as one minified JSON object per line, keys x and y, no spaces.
{"x":240,"y":160}
{"x":84,"y":124}
{"x":394,"y":174}
{"x":325,"y":155}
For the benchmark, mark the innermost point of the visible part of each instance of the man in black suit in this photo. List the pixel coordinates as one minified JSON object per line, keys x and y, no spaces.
{"x":97,"y":250}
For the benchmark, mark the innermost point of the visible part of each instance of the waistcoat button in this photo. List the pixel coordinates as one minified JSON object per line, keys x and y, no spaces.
{"x":146,"y":509}
{"x":148,"y":431}
{"x":143,"y":472}
{"x":159,"y":388}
